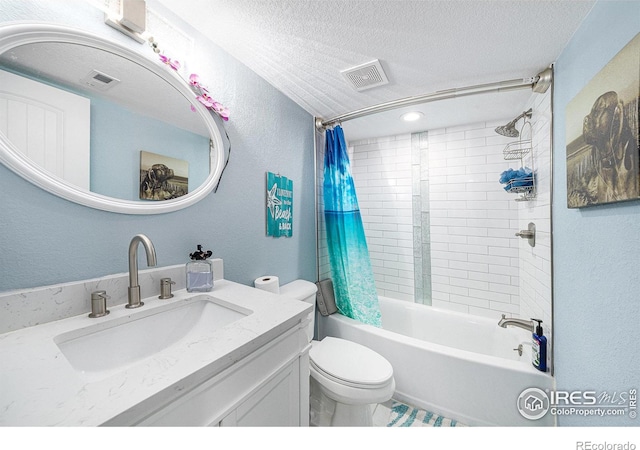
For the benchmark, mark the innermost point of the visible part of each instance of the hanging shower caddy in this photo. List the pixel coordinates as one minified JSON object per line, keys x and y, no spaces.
{"x":522,"y":150}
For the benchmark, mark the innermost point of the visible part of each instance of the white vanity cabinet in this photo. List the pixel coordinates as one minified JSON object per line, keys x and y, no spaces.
{"x":269,"y":387}
{"x":186,"y":363}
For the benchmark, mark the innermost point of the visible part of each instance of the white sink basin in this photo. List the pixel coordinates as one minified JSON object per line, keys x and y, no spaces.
{"x":105,"y":346}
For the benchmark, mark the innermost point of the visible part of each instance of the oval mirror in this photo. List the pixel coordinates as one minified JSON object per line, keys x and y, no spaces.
{"x":101,"y":125}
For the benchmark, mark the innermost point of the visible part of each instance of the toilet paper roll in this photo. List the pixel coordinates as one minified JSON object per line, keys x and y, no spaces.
{"x":269,"y":283}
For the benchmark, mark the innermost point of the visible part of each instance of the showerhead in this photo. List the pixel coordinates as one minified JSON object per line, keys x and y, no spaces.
{"x":509,"y":130}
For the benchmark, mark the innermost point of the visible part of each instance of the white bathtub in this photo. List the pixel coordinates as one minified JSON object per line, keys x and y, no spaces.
{"x":457,"y":365}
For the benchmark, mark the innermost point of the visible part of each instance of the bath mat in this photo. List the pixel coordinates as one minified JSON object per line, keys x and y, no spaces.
{"x":402,"y":415}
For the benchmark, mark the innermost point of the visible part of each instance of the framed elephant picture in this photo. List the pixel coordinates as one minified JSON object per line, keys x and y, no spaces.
{"x":602,"y":134}
{"x":162,"y":177}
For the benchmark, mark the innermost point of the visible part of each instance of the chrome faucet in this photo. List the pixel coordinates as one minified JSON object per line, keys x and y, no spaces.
{"x":526,"y":324}
{"x":134,"y":289}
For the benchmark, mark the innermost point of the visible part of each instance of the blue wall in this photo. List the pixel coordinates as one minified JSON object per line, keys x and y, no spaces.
{"x":117,"y":137}
{"x":596,"y":249}
{"x":47,"y":240}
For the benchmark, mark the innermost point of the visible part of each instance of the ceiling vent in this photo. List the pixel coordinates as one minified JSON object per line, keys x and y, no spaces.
{"x":366,"y":76}
{"x":99,"y":80}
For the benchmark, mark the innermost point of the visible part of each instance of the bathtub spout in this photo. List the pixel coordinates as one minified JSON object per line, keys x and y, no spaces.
{"x":526,"y":324}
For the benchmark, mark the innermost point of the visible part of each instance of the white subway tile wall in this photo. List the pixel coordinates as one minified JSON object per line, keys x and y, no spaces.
{"x":474,"y":254}
{"x":421,"y":218}
{"x":382,"y":175}
{"x":324,"y":267}
{"x":535,"y":262}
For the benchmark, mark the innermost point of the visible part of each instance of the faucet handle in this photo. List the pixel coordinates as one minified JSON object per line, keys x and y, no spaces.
{"x":99,"y":304}
{"x":165,"y":288}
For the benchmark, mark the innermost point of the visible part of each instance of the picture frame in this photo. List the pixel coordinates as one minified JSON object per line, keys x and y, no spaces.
{"x":602,"y":140}
{"x":162,"y":177}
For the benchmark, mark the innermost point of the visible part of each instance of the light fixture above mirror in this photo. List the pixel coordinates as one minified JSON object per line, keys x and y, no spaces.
{"x":168,"y":96}
{"x":132,"y":19}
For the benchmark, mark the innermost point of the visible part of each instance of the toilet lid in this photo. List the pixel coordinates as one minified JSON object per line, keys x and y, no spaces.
{"x":350,"y":362}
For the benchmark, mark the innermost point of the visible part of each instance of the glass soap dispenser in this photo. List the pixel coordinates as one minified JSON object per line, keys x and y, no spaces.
{"x":199,"y":271}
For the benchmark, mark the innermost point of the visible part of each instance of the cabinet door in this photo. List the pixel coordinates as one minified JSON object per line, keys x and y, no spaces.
{"x":277,"y":403}
{"x":268,"y":387}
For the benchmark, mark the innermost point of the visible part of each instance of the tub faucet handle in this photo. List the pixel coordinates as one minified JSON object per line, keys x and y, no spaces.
{"x":519,"y":350}
{"x":529,"y":234}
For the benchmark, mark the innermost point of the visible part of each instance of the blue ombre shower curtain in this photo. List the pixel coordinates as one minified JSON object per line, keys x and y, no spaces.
{"x":351,"y":272}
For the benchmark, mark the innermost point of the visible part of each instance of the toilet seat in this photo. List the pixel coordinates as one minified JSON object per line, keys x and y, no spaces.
{"x":350,"y":364}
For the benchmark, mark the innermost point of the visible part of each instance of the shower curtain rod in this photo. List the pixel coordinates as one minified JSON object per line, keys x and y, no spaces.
{"x":539,"y":83}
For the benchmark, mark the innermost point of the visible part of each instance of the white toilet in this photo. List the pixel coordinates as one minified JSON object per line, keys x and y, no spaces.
{"x":347,"y":378}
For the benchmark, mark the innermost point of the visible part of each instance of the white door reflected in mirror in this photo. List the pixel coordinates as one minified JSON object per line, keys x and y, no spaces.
{"x":48,"y":125}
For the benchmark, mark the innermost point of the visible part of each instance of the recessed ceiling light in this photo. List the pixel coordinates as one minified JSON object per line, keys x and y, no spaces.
{"x":412,"y":116}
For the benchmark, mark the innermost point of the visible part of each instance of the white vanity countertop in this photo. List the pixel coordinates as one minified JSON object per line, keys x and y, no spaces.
{"x":38,"y":386}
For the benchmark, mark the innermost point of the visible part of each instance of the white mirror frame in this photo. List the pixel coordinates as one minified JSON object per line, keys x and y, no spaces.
{"x":21,"y":33}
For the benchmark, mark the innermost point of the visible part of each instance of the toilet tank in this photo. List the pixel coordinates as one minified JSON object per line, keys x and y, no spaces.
{"x":304,"y":291}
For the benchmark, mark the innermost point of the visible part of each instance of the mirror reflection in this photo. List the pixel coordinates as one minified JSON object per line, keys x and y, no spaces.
{"x":86,"y":115}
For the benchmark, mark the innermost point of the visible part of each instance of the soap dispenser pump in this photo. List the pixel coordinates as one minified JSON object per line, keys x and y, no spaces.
{"x":200,"y":271}
{"x":539,"y":353}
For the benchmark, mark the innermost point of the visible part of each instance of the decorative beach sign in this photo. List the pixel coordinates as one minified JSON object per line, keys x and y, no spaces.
{"x":279,"y":205}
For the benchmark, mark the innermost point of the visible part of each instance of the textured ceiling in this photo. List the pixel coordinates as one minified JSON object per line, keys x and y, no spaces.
{"x":300,"y":46}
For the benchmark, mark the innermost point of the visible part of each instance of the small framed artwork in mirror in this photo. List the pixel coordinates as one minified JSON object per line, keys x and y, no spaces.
{"x":162,"y":177}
